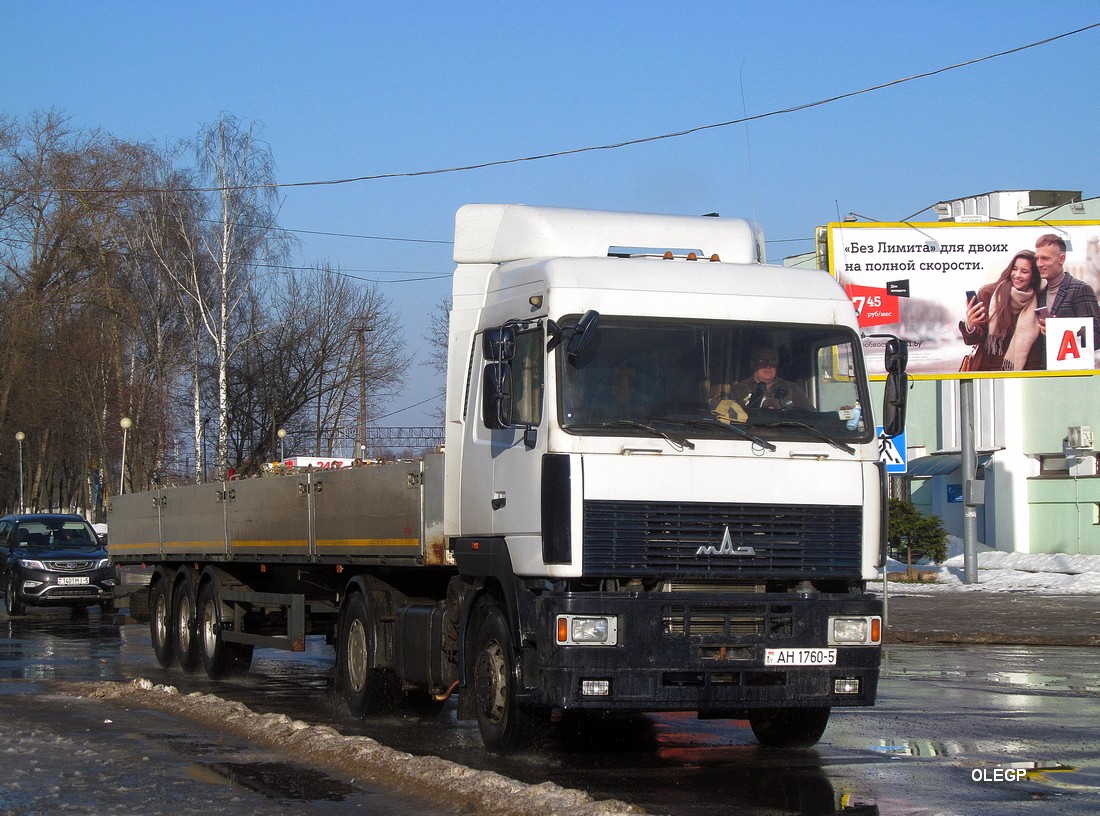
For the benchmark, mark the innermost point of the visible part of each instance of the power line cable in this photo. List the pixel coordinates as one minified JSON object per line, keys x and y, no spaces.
{"x":594,"y":148}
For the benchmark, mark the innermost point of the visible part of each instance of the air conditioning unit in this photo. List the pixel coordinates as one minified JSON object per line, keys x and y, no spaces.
{"x":1079,"y":438}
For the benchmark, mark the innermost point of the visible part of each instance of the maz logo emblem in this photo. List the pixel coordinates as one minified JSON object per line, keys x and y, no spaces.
{"x":725,"y":548}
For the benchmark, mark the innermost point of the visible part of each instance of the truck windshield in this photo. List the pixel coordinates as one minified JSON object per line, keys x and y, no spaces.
{"x":649,"y":376}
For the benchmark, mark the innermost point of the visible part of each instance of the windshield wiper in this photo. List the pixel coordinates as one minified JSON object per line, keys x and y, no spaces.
{"x":817,"y":432}
{"x":676,"y":441}
{"x":740,"y":430}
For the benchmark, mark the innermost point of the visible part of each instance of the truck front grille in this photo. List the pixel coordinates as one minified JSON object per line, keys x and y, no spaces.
{"x":713,"y":541}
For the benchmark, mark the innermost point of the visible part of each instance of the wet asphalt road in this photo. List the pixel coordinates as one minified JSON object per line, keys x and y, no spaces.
{"x":950,"y":721}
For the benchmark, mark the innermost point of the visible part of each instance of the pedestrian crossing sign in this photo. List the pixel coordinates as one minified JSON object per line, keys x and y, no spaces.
{"x":892,"y":452}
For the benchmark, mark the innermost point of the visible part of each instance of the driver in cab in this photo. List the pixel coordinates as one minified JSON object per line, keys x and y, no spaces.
{"x":765,"y":388}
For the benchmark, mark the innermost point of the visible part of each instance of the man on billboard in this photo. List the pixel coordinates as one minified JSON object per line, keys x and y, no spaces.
{"x":1065,"y":295}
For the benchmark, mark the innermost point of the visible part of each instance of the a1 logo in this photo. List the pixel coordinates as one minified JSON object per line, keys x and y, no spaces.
{"x":1070,"y":344}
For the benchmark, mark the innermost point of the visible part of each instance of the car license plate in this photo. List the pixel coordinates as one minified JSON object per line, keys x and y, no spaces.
{"x":71,"y":580}
{"x":800,"y":657}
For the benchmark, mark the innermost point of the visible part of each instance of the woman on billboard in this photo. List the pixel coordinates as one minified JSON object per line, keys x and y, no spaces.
{"x":1002,"y":320}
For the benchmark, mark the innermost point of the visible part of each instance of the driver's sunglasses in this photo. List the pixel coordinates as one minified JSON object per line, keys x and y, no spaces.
{"x":765,"y":362}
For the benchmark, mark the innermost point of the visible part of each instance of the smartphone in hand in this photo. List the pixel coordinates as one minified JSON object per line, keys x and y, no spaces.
{"x":970,"y":295}
{"x":1043,"y":312}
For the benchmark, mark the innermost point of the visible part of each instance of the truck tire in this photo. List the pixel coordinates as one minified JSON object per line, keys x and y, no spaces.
{"x":505,"y":724}
{"x":160,"y":616}
{"x":185,"y":632}
{"x":219,"y":659}
{"x":12,"y":604}
{"x":789,"y":727}
{"x":138,"y":601}
{"x":361,"y":681}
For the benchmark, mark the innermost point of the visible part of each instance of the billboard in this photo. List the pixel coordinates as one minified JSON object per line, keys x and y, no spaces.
{"x":975,"y":299}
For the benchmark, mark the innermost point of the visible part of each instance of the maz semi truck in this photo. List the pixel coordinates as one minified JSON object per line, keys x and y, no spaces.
{"x":621,"y":520}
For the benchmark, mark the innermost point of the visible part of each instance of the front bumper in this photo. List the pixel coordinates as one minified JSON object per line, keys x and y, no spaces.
{"x":48,"y":588}
{"x":696,"y":652}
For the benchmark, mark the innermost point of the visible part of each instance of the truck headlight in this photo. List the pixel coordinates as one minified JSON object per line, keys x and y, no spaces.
{"x":855,"y":631}
{"x":587,"y":630}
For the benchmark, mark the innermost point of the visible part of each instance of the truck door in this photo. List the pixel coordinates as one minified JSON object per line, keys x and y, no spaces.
{"x":509,"y":457}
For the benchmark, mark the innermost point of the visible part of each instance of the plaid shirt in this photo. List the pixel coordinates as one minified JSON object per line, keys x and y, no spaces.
{"x":1075,"y":298}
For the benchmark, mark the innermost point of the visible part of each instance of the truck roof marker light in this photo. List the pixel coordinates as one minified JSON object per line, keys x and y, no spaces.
{"x":691,"y":256}
{"x":714,"y":258}
{"x":668,"y":255}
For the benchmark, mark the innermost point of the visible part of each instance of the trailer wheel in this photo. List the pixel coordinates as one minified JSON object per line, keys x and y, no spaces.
{"x":361,"y":681}
{"x":506,"y":724}
{"x":186,"y":636}
{"x":789,"y":727}
{"x":219,"y":659}
{"x":160,"y":630}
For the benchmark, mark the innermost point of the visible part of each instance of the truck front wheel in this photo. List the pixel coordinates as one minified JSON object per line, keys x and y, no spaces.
{"x":506,"y":725}
{"x":160,"y":615}
{"x":359,"y":678}
{"x":789,"y":727}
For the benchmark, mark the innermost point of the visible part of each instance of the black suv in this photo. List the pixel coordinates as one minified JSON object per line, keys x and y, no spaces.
{"x":54,"y":559}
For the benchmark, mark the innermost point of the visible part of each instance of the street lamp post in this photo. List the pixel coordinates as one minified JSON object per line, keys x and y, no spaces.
{"x":125,"y":424}
{"x":282,"y":452}
{"x":19,"y":437}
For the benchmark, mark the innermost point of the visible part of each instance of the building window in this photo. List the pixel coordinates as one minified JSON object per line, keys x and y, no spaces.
{"x":1053,"y":465}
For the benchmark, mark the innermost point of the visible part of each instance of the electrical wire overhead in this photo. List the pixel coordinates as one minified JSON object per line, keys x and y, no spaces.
{"x":594,"y":148}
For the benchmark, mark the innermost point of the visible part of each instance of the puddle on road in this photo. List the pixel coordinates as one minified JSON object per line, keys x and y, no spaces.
{"x":917,"y":748}
{"x":276,"y":780}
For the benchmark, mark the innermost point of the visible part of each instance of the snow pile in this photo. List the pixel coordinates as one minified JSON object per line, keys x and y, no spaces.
{"x":1053,"y":574}
{"x":436,"y":780}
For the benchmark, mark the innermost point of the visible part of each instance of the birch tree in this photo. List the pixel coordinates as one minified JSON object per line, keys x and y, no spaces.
{"x":239,"y":237}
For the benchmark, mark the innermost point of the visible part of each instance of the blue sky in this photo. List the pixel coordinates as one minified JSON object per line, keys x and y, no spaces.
{"x":353,"y":89}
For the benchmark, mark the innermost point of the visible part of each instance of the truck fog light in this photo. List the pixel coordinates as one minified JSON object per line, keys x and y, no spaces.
{"x":860,"y":631}
{"x":846,"y":685}
{"x":587,"y":630}
{"x":595,"y":688}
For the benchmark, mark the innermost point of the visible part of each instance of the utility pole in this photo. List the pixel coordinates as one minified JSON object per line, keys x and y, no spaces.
{"x":361,"y":327}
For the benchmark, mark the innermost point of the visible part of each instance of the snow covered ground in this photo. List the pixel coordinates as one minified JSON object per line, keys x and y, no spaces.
{"x":1006,"y":572}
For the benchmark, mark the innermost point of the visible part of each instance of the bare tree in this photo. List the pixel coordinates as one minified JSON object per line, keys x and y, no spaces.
{"x":237,"y":237}
{"x":438,"y":339}
{"x":303,"y":370}
{"x":64,"y":294}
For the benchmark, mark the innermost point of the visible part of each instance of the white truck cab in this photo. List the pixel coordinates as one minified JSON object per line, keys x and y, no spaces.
{"x":659,"y":441}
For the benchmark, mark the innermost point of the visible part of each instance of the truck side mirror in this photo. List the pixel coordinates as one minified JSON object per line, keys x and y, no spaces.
{"x":496,"y":403}
{"x":499,"y":343}
{"x":897,"y":355}
{"x":893,"y":403}
{"x":584,"y":333}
